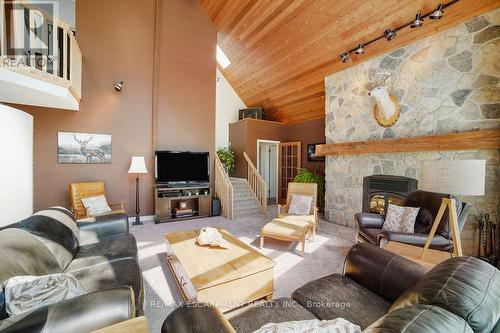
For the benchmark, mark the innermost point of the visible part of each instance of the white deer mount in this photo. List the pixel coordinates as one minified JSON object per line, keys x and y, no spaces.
{"x":387,"y":108}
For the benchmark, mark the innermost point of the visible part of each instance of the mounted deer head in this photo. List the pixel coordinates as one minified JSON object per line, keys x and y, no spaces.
{"x":387,"y":108}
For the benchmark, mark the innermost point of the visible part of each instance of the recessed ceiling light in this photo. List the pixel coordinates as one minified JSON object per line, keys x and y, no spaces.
{"x":438,"y":13}
{"x":222,"y":59}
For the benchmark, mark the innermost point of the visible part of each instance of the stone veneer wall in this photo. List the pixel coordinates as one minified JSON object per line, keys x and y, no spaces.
{"x":448,"y":82}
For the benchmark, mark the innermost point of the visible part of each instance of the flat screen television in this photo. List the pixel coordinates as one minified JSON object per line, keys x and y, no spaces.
{"x":182,"y":167}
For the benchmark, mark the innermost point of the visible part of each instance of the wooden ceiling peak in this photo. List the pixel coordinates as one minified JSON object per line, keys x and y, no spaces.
{"x":282,"y":50}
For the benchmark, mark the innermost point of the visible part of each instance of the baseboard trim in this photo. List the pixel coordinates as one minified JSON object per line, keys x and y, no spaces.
{"x":142,"y":218}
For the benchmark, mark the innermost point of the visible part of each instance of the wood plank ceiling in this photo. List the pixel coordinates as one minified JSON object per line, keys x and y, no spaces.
{"x":281,"y":50}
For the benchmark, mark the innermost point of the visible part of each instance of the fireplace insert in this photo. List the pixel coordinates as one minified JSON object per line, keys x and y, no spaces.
{"x":381,"y":190}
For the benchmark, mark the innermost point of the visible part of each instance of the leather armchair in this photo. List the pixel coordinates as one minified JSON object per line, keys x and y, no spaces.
{"x":77,"y":191}
{"x":369,"y":225}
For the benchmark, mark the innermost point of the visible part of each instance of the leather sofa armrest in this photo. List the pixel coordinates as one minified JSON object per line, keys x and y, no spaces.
{"x":384,"y":273}
{"x":81,"y":314}
{"x":438,"y":242}
{"x":104,"y":225}
{"x":196,"y":318}
{"x":369,"y":220}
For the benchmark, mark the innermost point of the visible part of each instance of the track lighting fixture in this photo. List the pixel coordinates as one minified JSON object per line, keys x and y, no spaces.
{"x":438,"y":13}
{"x":344,"y":57}
{"x":118,"y":86}
{"x":390,"y":34}
{"x":360,"y":49}
{"x":418,"y":21}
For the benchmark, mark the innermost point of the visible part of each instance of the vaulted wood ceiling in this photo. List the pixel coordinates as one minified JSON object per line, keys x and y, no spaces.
{"x":281,"y":50}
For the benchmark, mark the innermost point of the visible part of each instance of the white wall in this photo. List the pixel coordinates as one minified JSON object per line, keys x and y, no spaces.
{"x":227,"y":104}
{"x":16,"y":165}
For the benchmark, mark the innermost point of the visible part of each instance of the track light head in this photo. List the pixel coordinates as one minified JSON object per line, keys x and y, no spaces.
{"x":438,"y":13}
{"x":118,"y":86}
{"x":390,"y":34}
{"x":345,"y":57}
{"x":360,"y":49}
{"x":418,"y":21}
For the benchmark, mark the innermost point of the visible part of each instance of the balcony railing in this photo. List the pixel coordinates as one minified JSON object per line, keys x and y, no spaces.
{"x":35,"y":43}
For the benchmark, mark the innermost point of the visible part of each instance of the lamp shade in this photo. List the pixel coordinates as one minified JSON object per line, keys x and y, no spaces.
{"x":138,"y":165}
{"x":458,"y":177}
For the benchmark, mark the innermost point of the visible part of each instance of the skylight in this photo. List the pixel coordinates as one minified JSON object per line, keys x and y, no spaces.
{"x":222,"y":59}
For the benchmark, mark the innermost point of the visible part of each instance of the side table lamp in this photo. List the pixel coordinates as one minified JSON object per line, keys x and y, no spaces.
{"x":137,"y":166}
{"x":455,"y":177}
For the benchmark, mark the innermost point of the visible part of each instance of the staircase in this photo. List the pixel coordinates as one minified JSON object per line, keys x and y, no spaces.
{"x":244,"y":201}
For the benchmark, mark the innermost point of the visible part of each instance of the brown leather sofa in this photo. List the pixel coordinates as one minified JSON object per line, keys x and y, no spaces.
{"x":369,"y":225}
{"x":102,"y":255}
{"x":379,"y":291}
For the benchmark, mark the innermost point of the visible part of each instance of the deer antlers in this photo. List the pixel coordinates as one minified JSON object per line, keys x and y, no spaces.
{"x":83,"y":141}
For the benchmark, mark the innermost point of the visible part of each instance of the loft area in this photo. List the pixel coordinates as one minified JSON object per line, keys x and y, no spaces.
{"x":249,"y":166}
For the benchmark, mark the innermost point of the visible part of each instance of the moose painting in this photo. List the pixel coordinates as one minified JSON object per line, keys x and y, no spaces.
{"x":84,"y":148}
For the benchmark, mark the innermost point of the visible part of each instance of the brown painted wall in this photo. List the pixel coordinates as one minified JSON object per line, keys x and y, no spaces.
{"x":243,"y":136}
{"x":312,"y":131}
{"x":117,"y":39}
{"x":186,"y":101}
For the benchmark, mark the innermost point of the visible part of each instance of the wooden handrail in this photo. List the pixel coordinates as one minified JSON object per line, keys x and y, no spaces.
{"x":257,"y":184}
{"x":36,"y":63}
{"x":223,"y":189}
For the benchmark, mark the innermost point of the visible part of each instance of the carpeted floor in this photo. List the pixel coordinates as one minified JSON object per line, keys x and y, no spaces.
{"x":323,"y":256}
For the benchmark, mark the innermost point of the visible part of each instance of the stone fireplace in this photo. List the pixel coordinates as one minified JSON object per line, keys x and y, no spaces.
{"x":445,"y":83}
{"x":381,"y":190}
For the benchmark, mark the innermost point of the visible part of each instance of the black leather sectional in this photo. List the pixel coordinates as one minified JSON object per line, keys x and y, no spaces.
{"x":102,"y":255}
{"x":380,"y":292}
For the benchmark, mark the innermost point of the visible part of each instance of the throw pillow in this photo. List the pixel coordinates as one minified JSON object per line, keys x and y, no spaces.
{"x":309,"y":326}
{"x":96,"y":205}
{"x":300,"y":204}
{"x":400,"y":219}
{"x":25,"y":293}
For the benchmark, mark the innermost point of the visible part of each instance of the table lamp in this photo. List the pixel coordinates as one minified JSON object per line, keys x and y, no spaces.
{"x":456,"y":177}
{"x":137,"y":166}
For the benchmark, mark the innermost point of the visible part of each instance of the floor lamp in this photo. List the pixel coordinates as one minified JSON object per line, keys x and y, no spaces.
{"x":137,"y":166}
{"x":456,"y":177}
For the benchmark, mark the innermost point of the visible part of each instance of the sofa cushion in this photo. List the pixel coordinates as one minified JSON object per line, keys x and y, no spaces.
{"x":115,"y":274}
{"x":370,"y":234}
{"x":465,"y":286}
{"x":109,"y":248}
{"x":420,"y":318}
{"x":279,"y":310}
{"x":56,"y":229}
{"x":335,"y":296}
{"x":23,"y":254}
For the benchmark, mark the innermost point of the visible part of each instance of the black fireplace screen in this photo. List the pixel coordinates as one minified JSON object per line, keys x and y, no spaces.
{"x":381,"y":190}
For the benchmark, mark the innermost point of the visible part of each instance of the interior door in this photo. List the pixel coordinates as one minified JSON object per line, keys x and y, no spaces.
{"x":268,"y":168}
{"x":289,"y":163}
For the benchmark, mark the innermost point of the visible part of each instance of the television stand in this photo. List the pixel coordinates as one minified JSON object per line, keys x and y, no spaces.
{"x":197,"y":198}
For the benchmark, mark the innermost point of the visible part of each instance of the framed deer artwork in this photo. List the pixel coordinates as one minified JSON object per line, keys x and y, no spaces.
{"x":83,"y":148}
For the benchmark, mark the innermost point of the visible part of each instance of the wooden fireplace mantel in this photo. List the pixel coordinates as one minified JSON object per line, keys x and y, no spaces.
{"x":477,"y":140}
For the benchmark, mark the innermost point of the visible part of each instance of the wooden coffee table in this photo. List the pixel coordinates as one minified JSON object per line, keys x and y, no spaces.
{"x":226,"y":278}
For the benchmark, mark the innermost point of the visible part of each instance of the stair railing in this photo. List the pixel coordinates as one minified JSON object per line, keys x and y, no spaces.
{"x":51,"y":54}
{"x":257,"y":184}
{"x":223,"y":189}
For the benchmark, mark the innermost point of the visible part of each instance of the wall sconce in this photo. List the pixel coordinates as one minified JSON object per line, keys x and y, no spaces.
{"x":118,"y":86}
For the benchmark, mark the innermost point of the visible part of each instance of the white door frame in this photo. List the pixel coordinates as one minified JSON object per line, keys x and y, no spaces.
{"x":277,"y":143}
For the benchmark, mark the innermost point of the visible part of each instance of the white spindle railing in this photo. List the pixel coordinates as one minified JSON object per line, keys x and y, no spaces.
{"x":223,"y":189}
{"x":36,"y":64}
{"x":257,"y":184}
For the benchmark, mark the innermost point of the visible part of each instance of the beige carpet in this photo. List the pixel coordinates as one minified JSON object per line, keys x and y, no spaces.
{"x":323,"y":256}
